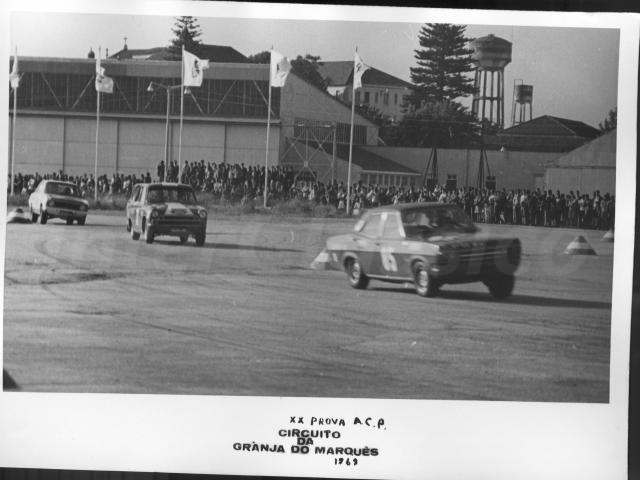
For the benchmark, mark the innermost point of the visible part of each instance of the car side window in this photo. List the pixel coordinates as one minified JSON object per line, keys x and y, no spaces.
{"x":136,"y":194}
{"x":372,"y":227}
{"x":391,"y":228}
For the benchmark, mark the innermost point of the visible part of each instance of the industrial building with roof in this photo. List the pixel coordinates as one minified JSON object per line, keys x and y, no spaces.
{"x":225,"y":121}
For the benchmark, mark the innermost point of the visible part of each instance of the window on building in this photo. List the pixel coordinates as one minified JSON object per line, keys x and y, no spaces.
{"x":395,"y":98}
{"x":385,"y":98}
{"x":375,"y":98}
{"x":366,"y":98}
{"x":358,"y":97}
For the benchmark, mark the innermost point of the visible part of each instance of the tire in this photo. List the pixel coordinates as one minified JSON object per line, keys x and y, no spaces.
{"x":500,"y":286}
{"x":82,"y":220}
{"x":69,"y":221}
{"x":200,"y":238}
{"x":134,"y":235}
{"x":426,"y":285}
{"x":184,"y":239}
{"x":34,"y":216}
{"x":357,"y":279}
{"x":148,"y":232}
{"x":43,"y":216}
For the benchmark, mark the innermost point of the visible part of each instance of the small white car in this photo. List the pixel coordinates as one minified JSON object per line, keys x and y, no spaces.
{"x":58,"y":199}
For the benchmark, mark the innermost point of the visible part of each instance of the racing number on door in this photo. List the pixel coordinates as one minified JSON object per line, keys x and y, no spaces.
{"x":388,"y":260}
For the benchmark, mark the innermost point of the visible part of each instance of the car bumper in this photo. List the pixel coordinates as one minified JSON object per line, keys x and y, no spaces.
{"x":178,"y":228}
{"x":65,"y":213}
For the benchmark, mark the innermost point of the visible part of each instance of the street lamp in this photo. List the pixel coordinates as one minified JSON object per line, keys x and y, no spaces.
{"x":169,"y":88}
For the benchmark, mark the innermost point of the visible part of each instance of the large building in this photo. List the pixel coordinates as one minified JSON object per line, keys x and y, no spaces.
{"x":224,"y":120}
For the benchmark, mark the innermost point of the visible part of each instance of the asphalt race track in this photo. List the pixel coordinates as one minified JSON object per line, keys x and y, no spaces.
{"x":87,"y":309}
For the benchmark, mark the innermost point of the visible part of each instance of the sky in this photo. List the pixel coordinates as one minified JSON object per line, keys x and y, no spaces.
{"x":573,"y":70}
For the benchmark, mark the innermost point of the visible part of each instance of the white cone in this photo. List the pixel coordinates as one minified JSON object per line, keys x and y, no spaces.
{"x":322,"y":261}
{"x":18,"y":215}
{"x":579,"y":246}
{"x":608,"y":237}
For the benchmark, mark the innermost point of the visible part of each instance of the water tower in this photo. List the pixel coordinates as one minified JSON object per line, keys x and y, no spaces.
{"x":522,"y":96}
{"x":490,"y":55}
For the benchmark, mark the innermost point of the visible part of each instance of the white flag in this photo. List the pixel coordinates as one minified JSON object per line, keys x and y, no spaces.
{"x":280,"y":68}
{"x":358,"y":70}
{"x":14,"y":77}
{"x":104,"y":84}
{"x":192,"y":69}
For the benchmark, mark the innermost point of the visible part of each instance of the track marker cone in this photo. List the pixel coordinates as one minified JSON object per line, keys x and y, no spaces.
{"x":579,"y":246}
{"x":608,"y":237}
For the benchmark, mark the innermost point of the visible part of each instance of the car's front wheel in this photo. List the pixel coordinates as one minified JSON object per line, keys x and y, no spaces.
{"x":426,"y":286}
{"x":82,"y":220}
{"x":357,"y":278}
{"x":148,"y":232}
{"x":200,"y":238}
{"x":500,"y":286}
{"x":134,"y":235}
{"x":34,"y":215}
{"x":184,"y":239}
{"x":70,"y":221}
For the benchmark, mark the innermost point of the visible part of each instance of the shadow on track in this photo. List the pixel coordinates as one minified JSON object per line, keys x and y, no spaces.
{"x":228,"y":246}
{"x":515,"y":298}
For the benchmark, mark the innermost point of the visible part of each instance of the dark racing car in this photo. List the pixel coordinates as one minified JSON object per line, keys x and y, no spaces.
{"x":165,"y":209}
{"x":428,"y":244}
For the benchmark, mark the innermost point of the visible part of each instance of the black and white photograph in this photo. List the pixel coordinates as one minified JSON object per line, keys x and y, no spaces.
{"x":278,"y":239}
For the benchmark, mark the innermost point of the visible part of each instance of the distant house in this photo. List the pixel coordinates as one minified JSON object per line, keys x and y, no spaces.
{"x":380,"y":90}
{"x":543,"y":134}
{"x":214,"y":53}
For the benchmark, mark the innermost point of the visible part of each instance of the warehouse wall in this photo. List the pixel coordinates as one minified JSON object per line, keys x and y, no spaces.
{"x":511,"y":169}
{"x":586,"y":180}
{"x":46,"y":144}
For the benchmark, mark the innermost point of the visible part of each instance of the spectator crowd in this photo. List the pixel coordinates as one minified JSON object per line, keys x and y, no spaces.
{"x":237,"y":183}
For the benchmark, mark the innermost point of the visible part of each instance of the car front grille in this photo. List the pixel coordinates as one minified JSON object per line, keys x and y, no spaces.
{"x":66,"y":204}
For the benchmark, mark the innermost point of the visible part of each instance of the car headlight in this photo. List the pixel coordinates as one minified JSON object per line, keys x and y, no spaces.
{"x":202,"y":213}
{"x":83,"y":208}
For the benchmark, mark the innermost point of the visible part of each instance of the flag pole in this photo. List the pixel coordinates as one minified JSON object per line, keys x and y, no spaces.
{"x":353,"y":109}
{"x":13,"y":128}
{"x":266,"y":159}
{"x":95,"y":178}
{"x":181,"y":115}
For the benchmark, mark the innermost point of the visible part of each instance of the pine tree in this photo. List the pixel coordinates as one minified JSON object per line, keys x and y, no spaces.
{"x":186,"y":31}
{"x":444,"y":60}
{"x":610,"y":123}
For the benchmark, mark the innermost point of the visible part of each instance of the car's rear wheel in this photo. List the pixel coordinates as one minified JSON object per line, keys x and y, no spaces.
{"x":200,"y":238}
{"x":426,"y":285}
{"x":34,"y":216}
{"x":81,"y":220}
{"x":148,"y":232}
{"x":69,"y":221}
{"x":43,"y":216}
{"x":183,"y":239}
{"x":357,"y":278}
{"x":500,"y":286}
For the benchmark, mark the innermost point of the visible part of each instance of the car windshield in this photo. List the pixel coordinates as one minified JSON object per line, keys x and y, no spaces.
{"x":59,"y":188}
{"x":162,"y":194}
{"x":436,"y":220}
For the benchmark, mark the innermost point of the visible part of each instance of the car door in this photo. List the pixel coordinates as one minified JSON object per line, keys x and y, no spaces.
{"x":391,"y":246}
{"x":366,"y":244}
{"x":133,"y":206}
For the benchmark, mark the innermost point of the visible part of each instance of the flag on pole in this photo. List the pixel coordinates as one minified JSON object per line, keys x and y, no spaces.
{"x":14,"y":77}
{"x":104,"y":84}
{"x":280,"y":68}
{"x":192,"y":69}
{"x":359,"y":68}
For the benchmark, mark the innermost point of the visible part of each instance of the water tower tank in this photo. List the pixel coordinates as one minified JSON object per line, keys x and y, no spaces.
{"x":524,"y":93}
{"x":491,"y":52}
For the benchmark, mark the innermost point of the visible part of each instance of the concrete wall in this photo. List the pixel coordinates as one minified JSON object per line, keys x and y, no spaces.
{"x":586,"y":180}
{"x":511,"y":169}
{"x":320,"y":163}
{"x":47,"y":144}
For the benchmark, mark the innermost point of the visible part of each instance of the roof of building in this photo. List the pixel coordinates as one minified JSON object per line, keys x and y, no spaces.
{"x":370,"y":161}
{"x":547,"y":125}
{"x":340,"y":73}
{"x":600,"y":153}
{"x":214,"y":53}
{"x":543,"y":134}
